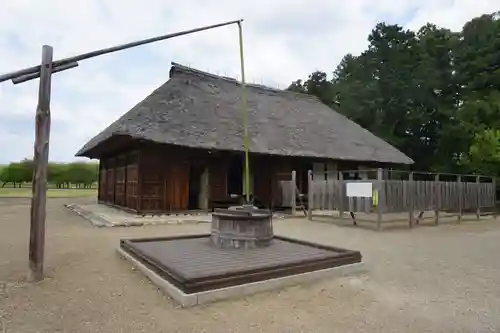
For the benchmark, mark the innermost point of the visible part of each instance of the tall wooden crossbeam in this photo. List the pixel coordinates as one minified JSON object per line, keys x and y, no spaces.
{"x":42,"y":129}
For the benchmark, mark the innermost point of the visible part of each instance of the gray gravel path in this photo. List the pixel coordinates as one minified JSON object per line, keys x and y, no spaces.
{"x":429,"y":279}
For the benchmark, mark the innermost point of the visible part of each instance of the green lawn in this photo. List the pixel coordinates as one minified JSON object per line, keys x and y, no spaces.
{"x":25,"y":192}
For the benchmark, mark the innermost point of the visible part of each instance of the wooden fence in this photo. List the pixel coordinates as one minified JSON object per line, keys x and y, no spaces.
{"x":386,"y":198}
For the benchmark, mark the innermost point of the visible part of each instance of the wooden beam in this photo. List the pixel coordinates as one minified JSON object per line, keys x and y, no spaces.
{"x":40,"y":165}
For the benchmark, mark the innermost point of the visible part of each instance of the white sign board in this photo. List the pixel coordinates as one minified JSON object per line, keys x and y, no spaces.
{"x":359,"y":190}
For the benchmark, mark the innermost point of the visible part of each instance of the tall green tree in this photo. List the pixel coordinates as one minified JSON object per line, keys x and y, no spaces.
{"x":430,"y":93}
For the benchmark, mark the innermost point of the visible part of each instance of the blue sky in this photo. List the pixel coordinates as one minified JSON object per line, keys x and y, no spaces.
{"x":284,"y":40}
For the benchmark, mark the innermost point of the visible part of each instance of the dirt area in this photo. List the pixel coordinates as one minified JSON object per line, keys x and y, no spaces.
{"x":429,"y":279}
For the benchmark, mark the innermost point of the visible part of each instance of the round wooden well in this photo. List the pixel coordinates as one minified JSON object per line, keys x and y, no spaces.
{"x":242,"y":227}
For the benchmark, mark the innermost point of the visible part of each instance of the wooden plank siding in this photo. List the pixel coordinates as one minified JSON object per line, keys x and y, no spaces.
{"x":101,"y":190}
{"x":132,"y":180}
{"x":110,"y":184}
{"x":151,"y":179}
{"x":118,"y":180}
{"x":154,"y":178}
{"x":217,"y":175}
{"x":263,"y":179}
{"x":177,"y":184}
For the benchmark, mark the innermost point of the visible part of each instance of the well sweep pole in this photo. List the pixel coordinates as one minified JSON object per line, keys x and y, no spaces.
{"x":245,"y":116}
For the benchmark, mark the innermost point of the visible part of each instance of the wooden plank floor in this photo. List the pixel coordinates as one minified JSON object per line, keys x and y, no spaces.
{"x":196,"y":257}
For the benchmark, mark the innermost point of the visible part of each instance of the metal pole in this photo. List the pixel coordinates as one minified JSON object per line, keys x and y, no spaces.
{"x":58,"y":63}
{"x":40,"y":163}
{"x":245,"y":115}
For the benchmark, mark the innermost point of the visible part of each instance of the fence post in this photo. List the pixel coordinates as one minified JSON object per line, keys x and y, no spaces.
{"x":437,"y":199}
{"x":460,"y":196}
{"x":411,"y":192}
{"x":294,"y":196}
{"x":310,"y":203}
{"x":341,"y":195}
{"x":381,"y":198}
{"x":478,"y":194}
{"x":493,"y":180}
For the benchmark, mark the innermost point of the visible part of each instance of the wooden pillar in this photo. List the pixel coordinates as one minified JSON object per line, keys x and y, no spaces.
{"x":294,"y":192}
{"x":341,"y":195}
{"x":40,"y":166}
{"x":139,"y":181}
{"x":460,"y":196}
{"x":381,"y":197}
{"x":127,"y":158}
{"x":310,"y":198}
{"x":478,"y":195}
{"x":437,"y":199}
{"x":411,"y":190}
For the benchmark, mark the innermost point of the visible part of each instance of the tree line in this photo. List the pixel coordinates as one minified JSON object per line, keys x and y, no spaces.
{"x":434,"y":93}
{"x":60,"y":175}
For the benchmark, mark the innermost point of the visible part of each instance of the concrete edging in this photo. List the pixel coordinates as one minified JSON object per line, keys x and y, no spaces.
{"x":189,"y":300}
{"x":89,"y":216}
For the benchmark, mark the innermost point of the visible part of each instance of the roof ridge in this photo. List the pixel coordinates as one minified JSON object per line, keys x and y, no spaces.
{"x":183,"y":68}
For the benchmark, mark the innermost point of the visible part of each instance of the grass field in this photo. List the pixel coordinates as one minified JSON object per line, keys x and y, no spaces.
{"x":25,"y":192}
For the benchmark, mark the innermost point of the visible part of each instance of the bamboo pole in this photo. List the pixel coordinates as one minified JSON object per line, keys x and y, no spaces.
{"x":40,"y":163}
{"x":245,"y":114}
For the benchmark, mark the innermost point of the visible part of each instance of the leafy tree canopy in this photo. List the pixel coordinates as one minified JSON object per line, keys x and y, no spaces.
{"x":432,"y":93}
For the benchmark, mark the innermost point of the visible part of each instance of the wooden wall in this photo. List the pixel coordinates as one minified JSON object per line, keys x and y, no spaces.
{"x":155,"y":178}
{"x":118,"y":180}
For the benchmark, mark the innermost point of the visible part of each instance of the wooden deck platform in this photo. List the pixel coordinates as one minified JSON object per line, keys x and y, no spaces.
{"x":193,"y":264}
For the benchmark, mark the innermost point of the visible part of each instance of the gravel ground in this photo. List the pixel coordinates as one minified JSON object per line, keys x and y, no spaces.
{"x":430,"y":279}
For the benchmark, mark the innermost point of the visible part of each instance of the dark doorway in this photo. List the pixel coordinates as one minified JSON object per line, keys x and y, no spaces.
{"x":235,"y":176}
{"x":195,"y":173}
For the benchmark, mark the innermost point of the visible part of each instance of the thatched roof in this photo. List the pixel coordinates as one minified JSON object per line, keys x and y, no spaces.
{"x":202,"y":110}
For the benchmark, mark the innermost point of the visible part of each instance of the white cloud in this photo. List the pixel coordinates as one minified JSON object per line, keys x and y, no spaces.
{"x":284,"y":40}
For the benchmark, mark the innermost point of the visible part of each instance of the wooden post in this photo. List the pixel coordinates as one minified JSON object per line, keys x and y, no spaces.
{"x":493,"y":180}
{"x":411,"y":191}
{"x":294,"y":197}
{"x":310,"y":198}
{"x":437,"y":199}
{"x":478,"y":194}
{"x":40,"y":165}
{"x":341,"y":195}
{"x":460,"y":188}
{"x":381,"y":198}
